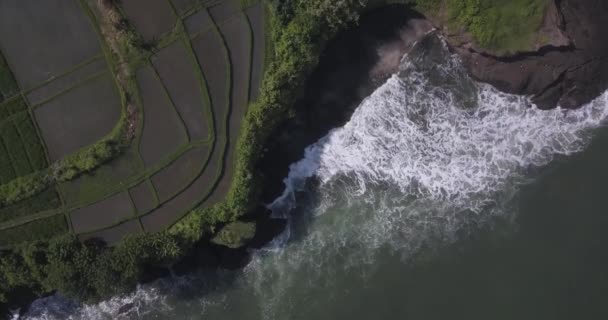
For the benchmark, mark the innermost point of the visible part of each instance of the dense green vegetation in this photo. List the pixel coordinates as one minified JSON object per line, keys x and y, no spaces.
{"x":24,"y":187}
{"x":86,"y":270}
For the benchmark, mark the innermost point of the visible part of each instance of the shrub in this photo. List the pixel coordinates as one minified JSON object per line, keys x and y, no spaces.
{"x":23,"y":187}
{"x":85,"y":160}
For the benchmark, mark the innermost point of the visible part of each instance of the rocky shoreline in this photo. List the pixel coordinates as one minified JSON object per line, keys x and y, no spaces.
{"x":570,"y":71}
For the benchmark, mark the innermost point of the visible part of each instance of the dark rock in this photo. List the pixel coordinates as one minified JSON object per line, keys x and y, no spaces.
{"x":569,"y":75}
{"x":234,"y":259}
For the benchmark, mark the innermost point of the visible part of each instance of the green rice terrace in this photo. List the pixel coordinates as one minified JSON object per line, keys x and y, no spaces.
{"x":116,"y":129}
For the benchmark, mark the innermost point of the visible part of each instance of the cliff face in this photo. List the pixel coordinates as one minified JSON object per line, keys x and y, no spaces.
{"x":569,"y":70}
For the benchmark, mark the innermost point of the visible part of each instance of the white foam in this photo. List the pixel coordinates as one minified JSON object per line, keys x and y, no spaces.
{"x":419,"y":139}
{"x":137,"y":304}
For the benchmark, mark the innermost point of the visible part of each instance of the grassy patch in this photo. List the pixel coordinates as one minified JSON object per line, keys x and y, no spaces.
{"x":248,"y":3}
{"x":31,"y":141}
{"x":7,"y":173}
{"x":35,"y":230}
{"x":45,"y":200}
{"x":12,"y":106}
{"x":21,"y":148}
{"x":112,"y":175}
{"x":235,"y":235}
{"x":504,"y":26}
{"x":8,"y":86}
{"x":18,"y":155}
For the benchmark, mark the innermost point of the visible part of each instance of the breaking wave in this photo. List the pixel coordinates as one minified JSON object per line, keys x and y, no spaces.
{"x":420,"y":133}
{"x":426,"y":155}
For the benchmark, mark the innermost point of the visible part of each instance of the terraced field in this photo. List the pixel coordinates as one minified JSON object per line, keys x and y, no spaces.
{"x":203,"y":65}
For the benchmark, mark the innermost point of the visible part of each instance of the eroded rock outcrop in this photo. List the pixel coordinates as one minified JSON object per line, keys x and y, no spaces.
{"x":570,"y":70}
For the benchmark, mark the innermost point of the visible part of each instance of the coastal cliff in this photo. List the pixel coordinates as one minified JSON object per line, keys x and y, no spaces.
{"x":569,"y":70}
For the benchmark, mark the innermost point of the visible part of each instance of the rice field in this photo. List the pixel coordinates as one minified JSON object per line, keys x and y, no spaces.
{"x":202,"y":65}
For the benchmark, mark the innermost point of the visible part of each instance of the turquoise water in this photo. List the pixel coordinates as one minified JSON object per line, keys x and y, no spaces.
{"x":440,"y":199}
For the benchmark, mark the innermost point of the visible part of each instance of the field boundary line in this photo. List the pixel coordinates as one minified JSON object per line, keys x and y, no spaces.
{"x":10,"y":160}
{"x":130,"y":183}
{"x":268,"y":38}
{"x":11,"y":156}
{"x":75,"y":68}
{"x":230,"y":19}
{"x":11,"y":117}
{"x":250,"y":66}
{"x":125,"y":186}
{"x":198,"y":172}
{"x":152,"y":188}
{"x":27,"y":219}
{"x":9,"y":100}
{"x":29,"y":157}
{"x":70,"y":88}
{"x":38,"y":131}
{"x":224,"y":138}
{"x":203,"y":86}
{"x":204,"y":90}
{"x":147,"y":179}
{"x":132,"y":204}
{"x":173,"y":106}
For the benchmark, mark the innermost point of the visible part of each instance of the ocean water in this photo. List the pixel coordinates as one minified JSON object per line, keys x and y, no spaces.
{"x":441,"y":198}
